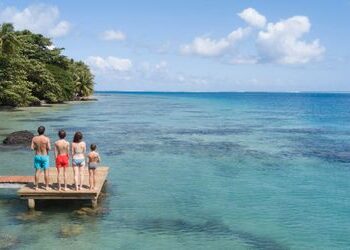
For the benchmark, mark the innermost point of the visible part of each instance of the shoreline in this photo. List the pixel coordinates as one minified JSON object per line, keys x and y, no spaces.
{"x":47,"y":105}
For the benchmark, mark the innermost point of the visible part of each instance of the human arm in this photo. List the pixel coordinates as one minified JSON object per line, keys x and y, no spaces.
{"x":56,"y":150}
{"x":98,"y":158}
{"x":32,"y":146}
{"x":68,"y":148}
{"x":48,"y":146}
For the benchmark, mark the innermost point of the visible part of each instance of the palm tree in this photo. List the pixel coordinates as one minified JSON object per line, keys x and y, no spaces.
{"x":83,"y":80}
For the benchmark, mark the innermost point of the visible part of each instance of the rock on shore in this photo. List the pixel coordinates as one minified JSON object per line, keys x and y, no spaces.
{"x":23,"y":137}
{"x":86,"y":98}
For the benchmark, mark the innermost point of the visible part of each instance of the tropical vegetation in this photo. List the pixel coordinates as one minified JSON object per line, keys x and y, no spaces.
{"x":33,"y":71}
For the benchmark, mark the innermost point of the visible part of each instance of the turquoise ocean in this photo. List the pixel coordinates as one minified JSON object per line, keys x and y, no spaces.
{"x":194,"y":171}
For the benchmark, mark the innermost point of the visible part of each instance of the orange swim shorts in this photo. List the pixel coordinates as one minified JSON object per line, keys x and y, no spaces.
{"x":62,"y":161}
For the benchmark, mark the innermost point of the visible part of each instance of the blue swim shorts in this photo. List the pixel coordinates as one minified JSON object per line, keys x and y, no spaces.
{"x":41,"y":161}
{"x":78,"y":162}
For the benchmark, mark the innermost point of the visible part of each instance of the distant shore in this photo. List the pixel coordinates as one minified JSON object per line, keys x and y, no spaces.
{"x":45,"y":104}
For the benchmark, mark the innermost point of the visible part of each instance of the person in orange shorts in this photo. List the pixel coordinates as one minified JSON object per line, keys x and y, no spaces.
{"x":62,"y":158}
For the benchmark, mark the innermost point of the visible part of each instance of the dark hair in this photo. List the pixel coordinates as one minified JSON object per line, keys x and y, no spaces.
{"x":61,"y":134}
{"x":78,"y":136}
{"x":41,"y":130}
{"x":93,"y":146}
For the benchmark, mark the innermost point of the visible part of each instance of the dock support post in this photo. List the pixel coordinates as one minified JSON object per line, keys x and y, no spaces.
{"x":104,"y":187}
{"x":31,"y":203}
{"x":94,"y":203}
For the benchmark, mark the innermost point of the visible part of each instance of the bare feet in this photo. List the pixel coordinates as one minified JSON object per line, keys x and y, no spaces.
{"x":47,"y":188}
{"x":36,"y":188}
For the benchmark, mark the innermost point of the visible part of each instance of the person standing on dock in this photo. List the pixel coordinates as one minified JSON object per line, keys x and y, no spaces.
{"x":78,"y":159}
{"x":41,"y":147}
{"x":62,"y":158}
{"x":94,"y":159}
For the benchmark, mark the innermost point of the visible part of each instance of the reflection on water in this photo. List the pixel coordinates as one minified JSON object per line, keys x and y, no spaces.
{"x":193,"y":171}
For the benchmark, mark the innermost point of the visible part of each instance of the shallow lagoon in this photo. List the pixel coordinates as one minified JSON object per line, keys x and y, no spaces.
{"x":195,"y":171}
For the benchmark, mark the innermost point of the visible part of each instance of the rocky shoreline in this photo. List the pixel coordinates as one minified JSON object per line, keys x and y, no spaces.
{"x":19,"y":138}
{"x":23,"y":138}
{"x":46,"y":104}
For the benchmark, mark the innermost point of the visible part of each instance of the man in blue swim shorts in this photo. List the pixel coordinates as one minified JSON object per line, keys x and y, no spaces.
{"x":41,"y":147}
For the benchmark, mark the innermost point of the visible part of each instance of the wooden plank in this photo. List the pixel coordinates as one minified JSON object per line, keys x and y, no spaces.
{"x":16,"y":179}
{"x":28,"y":191}
{"x":58,"y":197}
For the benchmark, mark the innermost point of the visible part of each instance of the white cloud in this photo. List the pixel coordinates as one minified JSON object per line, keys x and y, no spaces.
{"x":205,"y":46}
{"x":152,"y":74}
{"x":109,"y":64}
{"x":237,"y":34}
{"x":60,"y":29}
{"x":281,"y":42}
{"x":36,"y":18}
{"x":253,"y":18}
{"x":113,"y":35}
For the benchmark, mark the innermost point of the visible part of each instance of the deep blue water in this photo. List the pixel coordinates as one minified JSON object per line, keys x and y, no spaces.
{"x":197,"y":171}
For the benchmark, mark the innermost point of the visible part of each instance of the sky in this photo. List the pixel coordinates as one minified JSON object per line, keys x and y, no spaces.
{"x":198,"y":45}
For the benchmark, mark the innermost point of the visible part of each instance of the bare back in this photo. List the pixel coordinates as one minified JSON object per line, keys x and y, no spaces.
{"x":94,"y":157}
{"x":78,"y":150}
{"x":61,"y":147}
{"x":41,"y":145}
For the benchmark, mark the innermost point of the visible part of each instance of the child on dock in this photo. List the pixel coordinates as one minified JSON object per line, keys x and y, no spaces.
{"x":94,"y":159}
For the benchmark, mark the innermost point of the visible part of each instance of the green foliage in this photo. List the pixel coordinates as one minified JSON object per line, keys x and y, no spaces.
{"x":8,"y":40}
{"x":45,"y":87}
{"x":83,"y":79}
{"x":15,"y":89}
{"x":32,"y":71}
{"x":65,"y":79}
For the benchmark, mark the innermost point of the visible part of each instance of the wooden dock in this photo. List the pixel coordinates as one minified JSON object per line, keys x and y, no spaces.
{"x":28,"y":191}
{"x":16,"y":179}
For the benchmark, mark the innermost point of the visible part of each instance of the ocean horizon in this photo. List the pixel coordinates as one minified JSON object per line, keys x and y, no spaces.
{"x":220,"y":92}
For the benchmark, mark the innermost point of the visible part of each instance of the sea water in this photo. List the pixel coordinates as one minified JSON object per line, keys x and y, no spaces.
{"x":194,"y":171}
